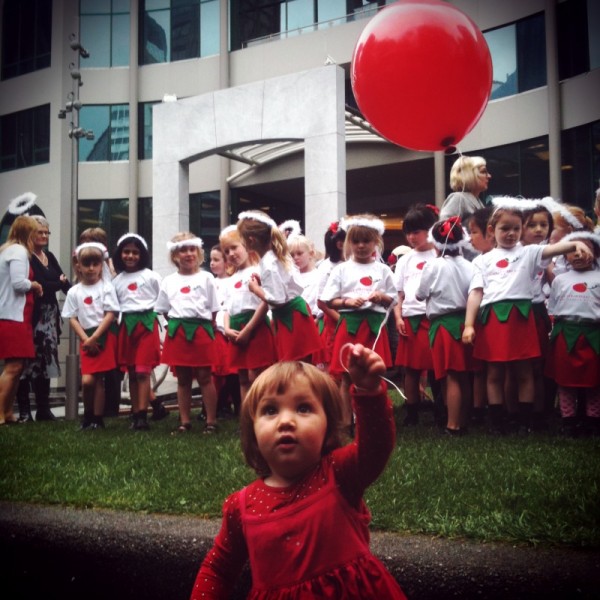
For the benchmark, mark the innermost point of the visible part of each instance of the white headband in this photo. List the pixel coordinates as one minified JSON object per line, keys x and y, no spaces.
{"x":510,"y":203}
{"x":133,"y":235}
{"x":227,"y":230}
{"x":292,"y":225}
{"x":583,"y":235}
{"x":554,"y":206}
{"x":96,"y":245}
{"x":258,"y":217}
{"x":195,"y":241}
{"x":376,"y":224}
{"x":21,"y":204}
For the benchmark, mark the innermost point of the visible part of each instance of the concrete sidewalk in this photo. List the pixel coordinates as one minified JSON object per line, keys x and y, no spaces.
{"x":53,"y":552}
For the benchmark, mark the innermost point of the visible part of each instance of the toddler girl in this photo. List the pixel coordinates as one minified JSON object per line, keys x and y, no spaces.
{"x":444,"y":286}
{"x":139,"y":343}
{"x":279,"y":286}
{"x":303,"y":524}
{"x":502,"y":287}
{"x":574,"y":356}
{"x":189,"y":300}
{"x":91,"y":306}
{"x":252,"y":344}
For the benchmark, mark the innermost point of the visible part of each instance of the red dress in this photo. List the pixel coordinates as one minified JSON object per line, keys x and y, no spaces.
{"x":309,"y":540}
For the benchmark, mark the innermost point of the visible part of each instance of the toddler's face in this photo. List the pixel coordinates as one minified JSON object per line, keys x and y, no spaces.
{"x":290,"y":429}
{"x":302,"y":257}
{"x":479,"y":239}
{"x":536,"y":228}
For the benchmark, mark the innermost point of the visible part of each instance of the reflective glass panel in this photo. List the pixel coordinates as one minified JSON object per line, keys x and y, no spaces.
{"x":503,"y":49}
{"x":96,"y":119}
{"x":157,"y":37}
{"x":209,"y":28}
{"x":87,"y":7}
{"x":120,"y":40}
{"x":95,"y":38}
{"x":111,"y":215}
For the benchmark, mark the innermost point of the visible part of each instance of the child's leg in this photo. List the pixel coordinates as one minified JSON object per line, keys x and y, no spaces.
{"x":453,"y":400}
{"x":184,"y":394}
{"x":88,"y":392}
{"x":495,"y":380}
{"x":9,"y":382}
{"x":524,"y":374}
{"x":99,"y":399}
{"x":466,"y":392}
{"x":139,"y":389}
{"x":479,"y":396}
{"x":567,"y":399}
{"x":209,"y":397}
{"x":412,"y":377}
{"x":244,"y":377}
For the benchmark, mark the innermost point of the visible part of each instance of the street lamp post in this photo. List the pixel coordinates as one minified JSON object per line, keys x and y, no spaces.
{"x":73,"y":107}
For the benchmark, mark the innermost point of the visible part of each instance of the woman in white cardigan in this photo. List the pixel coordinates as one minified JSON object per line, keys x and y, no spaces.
{"x":16,"y":308}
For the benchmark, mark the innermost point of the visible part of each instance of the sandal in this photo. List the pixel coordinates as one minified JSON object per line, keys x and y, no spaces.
{"x":183,"y":428}
{"x":210,"y":428}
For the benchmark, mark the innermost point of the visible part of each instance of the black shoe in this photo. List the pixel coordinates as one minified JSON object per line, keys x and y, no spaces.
{"x":26,"y":418}
{"x":85,"y":425}
{"x":159,"y":412}
{"x":44,"y":414}
{"x":452,"y":432}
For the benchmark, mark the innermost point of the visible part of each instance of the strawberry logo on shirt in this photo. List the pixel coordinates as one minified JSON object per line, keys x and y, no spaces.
{"x":88,"y":300}
{"x":502,"y":264}
{"x":421,"y":265}
{"x":132,"y":286}
{"x":367,"y":281}
{"x":186,"y":290}
{"x":238,"y":284}
{"x":580,"y":287}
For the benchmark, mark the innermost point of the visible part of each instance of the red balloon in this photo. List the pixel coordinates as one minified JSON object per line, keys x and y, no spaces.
{"x":422,"y":74}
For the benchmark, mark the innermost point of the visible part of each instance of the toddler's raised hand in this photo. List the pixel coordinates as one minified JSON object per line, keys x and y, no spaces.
{"x":365,"y":368}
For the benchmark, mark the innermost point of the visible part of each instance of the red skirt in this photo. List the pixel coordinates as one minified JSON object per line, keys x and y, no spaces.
{"x":106,"y":360}
{"x":450,"y":355}
{"x":363,"y":336}
{"x":414,"y":351}
{"x":17,"y":336}
{"x":140,"y":349}
{"x":221,"y":366}
{"x":259,"y":352}
{"x":327,"y":334}
{"x":578,"y":368}
{"x":543,"y":326}
{"x":516,"y":339}
{"x":198,"y":352}
{"x":301,"y":341}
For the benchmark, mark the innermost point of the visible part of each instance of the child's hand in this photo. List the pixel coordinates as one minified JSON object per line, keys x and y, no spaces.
{"x":365,"y":368}
{"x":90,"y":347}
{"x":254,"y":283}
{"x":468,"y":336}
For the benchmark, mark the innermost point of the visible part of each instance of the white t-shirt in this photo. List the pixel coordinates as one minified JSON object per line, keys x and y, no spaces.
{"x":310,"y":281}
{"x":508,"y":274}
{"x":137,"y":291}
{"x":240,"y":299}
{"x":351,"y":279}
{"x":188,"y":296}
{"x":279,"y":285}
{"x":222,"y":287}
{"x":576,"y":294}
{"x":89,"y":303}
{"x":445,"y":285}
{"x":407,"y":277}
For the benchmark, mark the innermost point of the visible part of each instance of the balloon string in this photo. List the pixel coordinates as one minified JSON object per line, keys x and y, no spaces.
{"x":349,"y":346}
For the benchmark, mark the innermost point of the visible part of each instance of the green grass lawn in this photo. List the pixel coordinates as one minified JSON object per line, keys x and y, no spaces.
{"x":541,"y":489}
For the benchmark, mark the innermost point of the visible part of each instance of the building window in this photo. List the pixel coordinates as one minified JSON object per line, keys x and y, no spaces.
{"x":110,"y":124}
{"x":520,"y":169}
{"x":110,"y":215}
{"x":25,"y":138}
{"x":172,"y":30}
{"x":253,"y":21}
{"x":580,"y":153}
{"x":578,"y":22}
{"x":205,"y":218}
{"x":144,"y":215}
{"x":26,"y":36}
{"x":518,"y":56}
{"x":104,"y":32}
{"x":145,"y":130}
